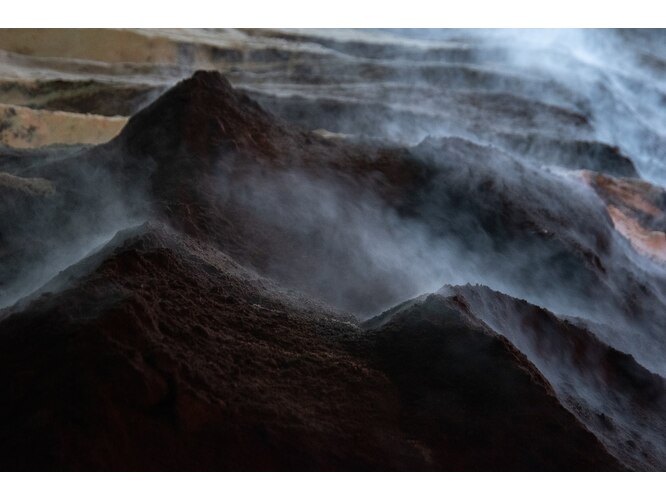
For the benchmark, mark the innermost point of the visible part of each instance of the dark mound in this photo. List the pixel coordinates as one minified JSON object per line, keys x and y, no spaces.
{"x":606,"y":388}
{"x":162,"y":353}
{"x":159,"y":352}
{"x":475,"y":397}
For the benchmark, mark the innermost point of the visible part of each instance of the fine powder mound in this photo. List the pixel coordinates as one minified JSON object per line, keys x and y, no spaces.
{"x":336,"y":255}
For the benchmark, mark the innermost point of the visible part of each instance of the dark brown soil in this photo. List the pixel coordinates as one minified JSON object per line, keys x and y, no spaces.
{"x":162,"y":353}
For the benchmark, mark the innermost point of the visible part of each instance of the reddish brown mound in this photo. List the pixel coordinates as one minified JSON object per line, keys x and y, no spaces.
{"x":204,"y":119}
{"x":169,"y":356}
{"x":161,"y":353}
{"x":203,"y":134}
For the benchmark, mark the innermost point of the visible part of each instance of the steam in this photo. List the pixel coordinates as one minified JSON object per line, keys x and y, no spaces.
{"x":45,"y":234}
{"x":503,"y":120}
{"x":543,"y":90}
{"x":484,"y":84}
{"x":335,"y":238}
{"x":615,"y":78}
{"x":599,"y":386}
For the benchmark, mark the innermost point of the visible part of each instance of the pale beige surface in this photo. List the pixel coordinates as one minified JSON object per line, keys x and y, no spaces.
{"x":110,"y":45}
{"x":22,"y":127}
{"x":146,"y":46}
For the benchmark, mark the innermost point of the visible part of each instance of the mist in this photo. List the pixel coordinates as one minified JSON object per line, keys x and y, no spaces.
{"x":505,"y":130}
{"x":334,"y":238}
{"x":46,"y":233}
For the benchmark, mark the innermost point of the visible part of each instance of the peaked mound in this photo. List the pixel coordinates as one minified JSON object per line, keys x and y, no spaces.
{"x":212,"y":163}
{"x":159,"y":352}
{"x":201,"y":116}
{"x":619,"y":400}
{"x":491,"y":404}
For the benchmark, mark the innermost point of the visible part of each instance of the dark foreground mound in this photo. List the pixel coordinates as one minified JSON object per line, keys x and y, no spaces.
{"x":164,"y":354}
{"x":159,"y":352}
